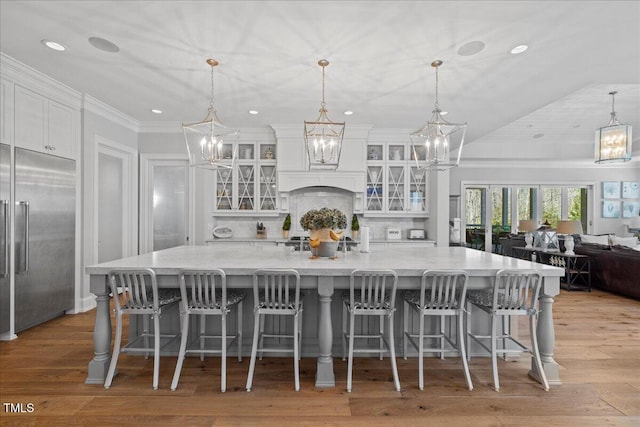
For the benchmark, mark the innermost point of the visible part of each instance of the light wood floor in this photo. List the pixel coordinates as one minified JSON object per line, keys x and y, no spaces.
{"x":597,"y":347}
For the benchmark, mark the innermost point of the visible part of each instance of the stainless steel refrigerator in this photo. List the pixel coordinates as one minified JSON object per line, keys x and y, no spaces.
{"x":44,"y":237}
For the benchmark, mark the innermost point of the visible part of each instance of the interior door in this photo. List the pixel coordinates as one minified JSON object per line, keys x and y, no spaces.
{"x":110,"y":207}
{"x":170,"y":182}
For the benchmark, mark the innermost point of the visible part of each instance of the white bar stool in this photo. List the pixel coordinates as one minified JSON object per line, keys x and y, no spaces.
{"x":204,"y":293}
{"x":276,"y":292}
{"x":442,"y":294}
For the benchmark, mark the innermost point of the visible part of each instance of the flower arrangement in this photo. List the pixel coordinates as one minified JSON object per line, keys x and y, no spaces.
{"x":323,"y":218}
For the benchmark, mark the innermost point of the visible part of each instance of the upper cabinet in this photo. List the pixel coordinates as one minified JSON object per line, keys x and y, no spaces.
{"x":250,"y":186}
{"x":395,"y":185}
{"x":44,"y":125}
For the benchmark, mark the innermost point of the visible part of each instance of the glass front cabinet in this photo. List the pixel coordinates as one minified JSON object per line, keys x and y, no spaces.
{"x":250,"y":185}
{"x":395,"y":185}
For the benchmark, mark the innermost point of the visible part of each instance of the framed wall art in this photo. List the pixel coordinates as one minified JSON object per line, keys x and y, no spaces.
{"x":630,"y":209}
{"x":611,"y":209}
{"x":630,"y":190}
{"x":611,"y":189}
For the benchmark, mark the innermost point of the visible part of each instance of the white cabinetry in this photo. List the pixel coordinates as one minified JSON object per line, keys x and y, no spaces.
{"x":395,"y":186}
{"x":6,"y":117}
{"x":250,"y":185}
{"x":43,"y":125}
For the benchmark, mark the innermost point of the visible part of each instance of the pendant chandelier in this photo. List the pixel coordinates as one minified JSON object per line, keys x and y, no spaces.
{"x":210,"y":144}
{"x":613,"y":141}
{"x":431,"y":144}
{"x":322,"y":137}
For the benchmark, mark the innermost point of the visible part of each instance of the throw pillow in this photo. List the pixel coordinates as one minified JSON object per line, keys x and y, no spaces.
{"x":630,"y":242}
{"x":588,"y":238}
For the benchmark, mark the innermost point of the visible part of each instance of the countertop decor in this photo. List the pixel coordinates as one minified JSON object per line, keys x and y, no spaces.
{"x":321,"y":223}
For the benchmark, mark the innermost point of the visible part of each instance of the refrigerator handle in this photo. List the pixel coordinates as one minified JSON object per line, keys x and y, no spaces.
{"x":25,"y":205}
{"x":5,"y":266}
{"x":26,"y":236}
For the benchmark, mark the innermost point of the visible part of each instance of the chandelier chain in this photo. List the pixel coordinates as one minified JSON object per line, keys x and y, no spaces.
{"x":322,"y":104}
{"x":211,"y":104}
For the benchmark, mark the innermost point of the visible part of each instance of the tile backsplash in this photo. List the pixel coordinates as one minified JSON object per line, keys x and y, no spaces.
{"x":313,"y":198}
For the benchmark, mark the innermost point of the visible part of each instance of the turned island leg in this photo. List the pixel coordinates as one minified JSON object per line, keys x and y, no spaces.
{"x":99,"y":365}
{"x":324,"y":372}
{"x":546,"y":333}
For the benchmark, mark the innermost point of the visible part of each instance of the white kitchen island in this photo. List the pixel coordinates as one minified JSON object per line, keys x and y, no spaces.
{"x":323,"y":276}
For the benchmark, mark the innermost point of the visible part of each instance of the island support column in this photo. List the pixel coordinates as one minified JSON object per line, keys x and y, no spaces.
{"x":546,"y":333}
{"x":324,"y":372}
{"x":99,"y":365}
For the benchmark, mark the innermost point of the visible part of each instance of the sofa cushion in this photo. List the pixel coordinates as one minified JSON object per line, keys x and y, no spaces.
{"x":588,"y":238}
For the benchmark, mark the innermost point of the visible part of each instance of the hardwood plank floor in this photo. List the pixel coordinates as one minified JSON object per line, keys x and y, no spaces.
{"x":597,"y":347}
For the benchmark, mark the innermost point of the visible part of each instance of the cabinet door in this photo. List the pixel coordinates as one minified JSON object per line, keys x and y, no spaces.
{"x":417,"y":189}
{"x":374,"y":196}
{"x":30,"y":119}
{"x":396,"y":197}
{"x":61,"y":134}
{"x":224,"y":189}
{"x":5,"y":121}
{"x":246,"y":186}
{"x":268,"y":191}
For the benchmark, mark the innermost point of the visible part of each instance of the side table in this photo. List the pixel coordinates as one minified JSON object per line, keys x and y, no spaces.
{"x":577,"y":268}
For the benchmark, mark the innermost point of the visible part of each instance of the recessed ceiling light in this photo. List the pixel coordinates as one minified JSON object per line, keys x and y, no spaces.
{"x":348,"y":113}
{"x":253,"y":112}
{"x":519,"y":49}
{"x":156,"y":111}
{"x":53,"y":45}
{"x":103,"y":44}
{"x":471,"y":48}
{"x":538,"y":135}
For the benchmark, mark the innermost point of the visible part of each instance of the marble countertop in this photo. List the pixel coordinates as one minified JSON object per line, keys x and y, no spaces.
{"x":243,"y":260}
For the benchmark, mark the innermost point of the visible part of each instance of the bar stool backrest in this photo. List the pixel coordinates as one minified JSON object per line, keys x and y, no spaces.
{"x":517,"y":290}
{"x":373,"y":289}
{"x":204,"y":289}
{"x":443,"y":289}
{"x":139,"y":289}
{"x":276,"y":289}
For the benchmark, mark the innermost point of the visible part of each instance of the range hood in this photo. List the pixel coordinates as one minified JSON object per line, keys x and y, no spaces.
{"x":295,"y":180}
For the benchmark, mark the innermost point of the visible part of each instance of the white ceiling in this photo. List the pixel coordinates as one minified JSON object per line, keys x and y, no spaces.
{"x":379,"y":52}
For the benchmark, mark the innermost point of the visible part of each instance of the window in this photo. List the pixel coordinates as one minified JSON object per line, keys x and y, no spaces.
{"x":548,"y":203}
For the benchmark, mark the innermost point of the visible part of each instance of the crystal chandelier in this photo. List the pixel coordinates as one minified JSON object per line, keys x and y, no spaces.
{"x":210,"y":144}
{"x":432,"y":143}
{"x":613,"y":141}
{"x":322,"y":137}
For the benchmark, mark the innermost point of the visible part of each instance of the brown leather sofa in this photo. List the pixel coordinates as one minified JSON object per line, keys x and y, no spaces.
{"x":613,"y":268}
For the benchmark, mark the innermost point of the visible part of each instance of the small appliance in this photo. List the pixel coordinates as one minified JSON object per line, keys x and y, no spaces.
{"x":393,"y":233}
{"x":416,"y":234}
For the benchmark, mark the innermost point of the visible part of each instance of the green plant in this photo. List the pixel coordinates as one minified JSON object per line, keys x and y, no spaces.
{"x":286,"y":225}
{"x":355,"y":225}
{"x":323,"y":218}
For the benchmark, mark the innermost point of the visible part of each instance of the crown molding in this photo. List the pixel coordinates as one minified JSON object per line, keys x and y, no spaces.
{"x":544,"y":164}
{"x":96,"y":106}
{"x":32,"y":79}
